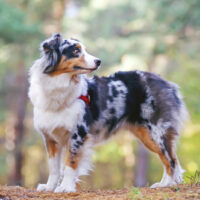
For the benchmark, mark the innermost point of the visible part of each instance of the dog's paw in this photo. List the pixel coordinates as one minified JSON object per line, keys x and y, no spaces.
{"x":44,"y":187}
{"x":41,"y":187}
{"x":62,"y":189}
{"x":156,"y":185}
{"x":163,"y":184}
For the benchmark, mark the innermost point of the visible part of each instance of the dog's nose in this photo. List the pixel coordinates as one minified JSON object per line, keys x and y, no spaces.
{"x":97,"y":62}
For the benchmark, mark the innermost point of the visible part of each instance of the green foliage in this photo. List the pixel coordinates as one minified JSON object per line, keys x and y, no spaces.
{"x":194,"y":179}
{"x":13,"y":25}
{"x":176,"y":188}
{"x":110,"y":150}
{"x":134,"y":194}
{"x":177,"y":15}
{"x":166,"y":196}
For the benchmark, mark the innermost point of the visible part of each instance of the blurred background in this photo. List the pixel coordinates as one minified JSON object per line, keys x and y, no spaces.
{"x":159,"y":36}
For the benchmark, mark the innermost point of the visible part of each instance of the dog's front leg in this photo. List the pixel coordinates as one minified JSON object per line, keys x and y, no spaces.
{"x":54,"y":156}
{"x":74,"y":155}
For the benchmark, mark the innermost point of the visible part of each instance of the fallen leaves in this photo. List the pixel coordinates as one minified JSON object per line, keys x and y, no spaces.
{"x":179,"y":192}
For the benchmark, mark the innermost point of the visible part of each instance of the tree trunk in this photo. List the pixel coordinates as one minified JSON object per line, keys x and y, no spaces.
{"x":141,"y":170}
{"x":58,"y":13}
{"x":20,"y":110}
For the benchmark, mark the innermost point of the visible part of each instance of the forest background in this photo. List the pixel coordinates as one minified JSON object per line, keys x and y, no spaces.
{"x":158,"y":36}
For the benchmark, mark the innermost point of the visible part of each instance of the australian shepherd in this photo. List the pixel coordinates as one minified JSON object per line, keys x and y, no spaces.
{"x":73,"y":112}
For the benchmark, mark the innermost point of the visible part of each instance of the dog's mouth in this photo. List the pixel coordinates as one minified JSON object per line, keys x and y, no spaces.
{"x":83,"y":68}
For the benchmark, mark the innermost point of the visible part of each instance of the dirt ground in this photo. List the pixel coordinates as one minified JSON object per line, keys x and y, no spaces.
{"x":177,"y":192}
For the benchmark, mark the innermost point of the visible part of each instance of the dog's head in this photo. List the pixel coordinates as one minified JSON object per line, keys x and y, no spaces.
{"x":67,"y":56}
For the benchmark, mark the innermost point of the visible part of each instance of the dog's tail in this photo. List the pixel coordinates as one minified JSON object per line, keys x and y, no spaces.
{"x":183,"y":114}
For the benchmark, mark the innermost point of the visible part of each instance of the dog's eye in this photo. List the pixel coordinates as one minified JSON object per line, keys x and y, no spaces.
{"x":76,"y":50}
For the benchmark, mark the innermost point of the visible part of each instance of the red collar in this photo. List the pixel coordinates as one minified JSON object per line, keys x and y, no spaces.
{"x":86,"y":99}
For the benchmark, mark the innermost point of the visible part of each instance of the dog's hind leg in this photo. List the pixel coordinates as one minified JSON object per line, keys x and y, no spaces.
{"x":168,"y":143}
{"x":54,"y":155}
{"x":164,"y":147}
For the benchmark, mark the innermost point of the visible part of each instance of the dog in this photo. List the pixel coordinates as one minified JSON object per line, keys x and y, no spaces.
{"x":73,"y":113}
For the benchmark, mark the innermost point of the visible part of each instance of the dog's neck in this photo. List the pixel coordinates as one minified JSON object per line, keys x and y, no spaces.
{"x":55,"y":93}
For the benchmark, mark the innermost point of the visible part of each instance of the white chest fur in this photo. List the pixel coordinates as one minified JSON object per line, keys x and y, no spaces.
{"x":55,"y":100}
{"x":66,"y":118}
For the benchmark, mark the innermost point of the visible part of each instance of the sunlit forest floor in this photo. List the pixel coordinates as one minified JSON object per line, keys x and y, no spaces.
{"x":177,"y":192}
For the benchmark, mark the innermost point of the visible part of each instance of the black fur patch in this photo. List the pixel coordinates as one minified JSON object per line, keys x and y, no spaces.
{"x":173,"y":163}
{"x":87,"y":117}
{"x":81,"y":131}
{"x":65,"y":42}
{"x":111,"y":123}
{"x":79,"y":143}
{"x":112,"y":111}
{"x":135,"y":97}
{"x":52,"y":62}
{"x":110,"y":98}
{"x":74,"y":136}
{"x":69,"y":51}
{"x":114,"y":91}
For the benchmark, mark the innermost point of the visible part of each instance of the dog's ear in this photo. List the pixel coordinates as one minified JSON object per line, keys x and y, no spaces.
{"x":46,"y":47}
{"x":52,"y":60}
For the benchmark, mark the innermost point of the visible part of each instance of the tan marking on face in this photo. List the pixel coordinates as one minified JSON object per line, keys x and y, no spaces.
{"x":78,"y":45}
{"x":143,"y":134}
{"x":67,"y":65}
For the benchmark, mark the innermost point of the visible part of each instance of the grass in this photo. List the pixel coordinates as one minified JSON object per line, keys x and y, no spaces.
{"x":176,"y":188}
{"x":134,"y":193}
{"x":194,"y":179}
